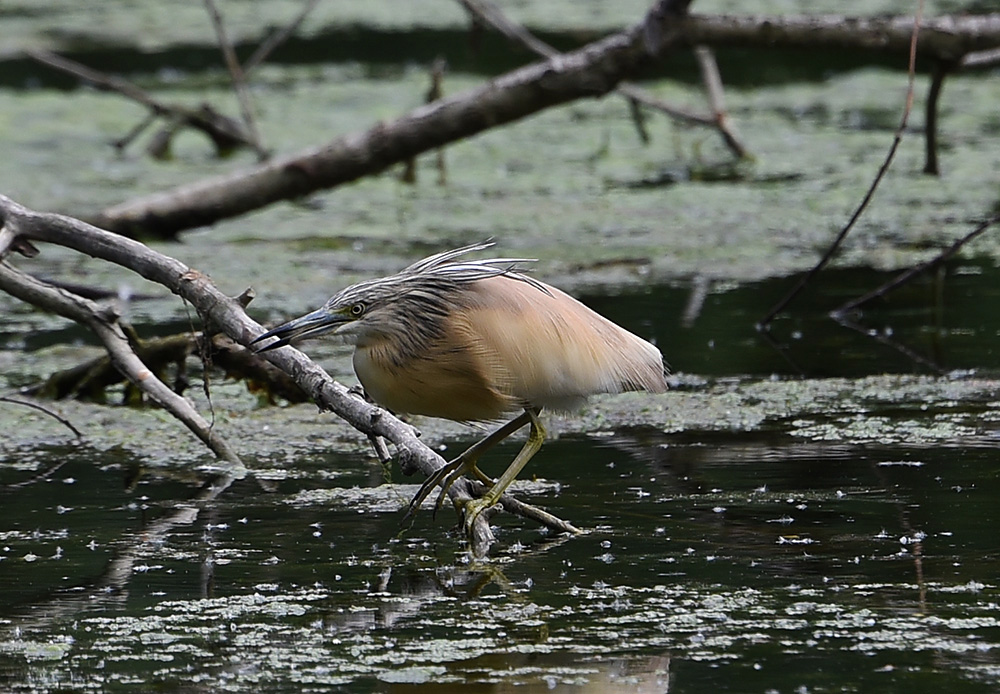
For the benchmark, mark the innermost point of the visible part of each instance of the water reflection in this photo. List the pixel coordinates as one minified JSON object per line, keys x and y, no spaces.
{"x":704,"y":556}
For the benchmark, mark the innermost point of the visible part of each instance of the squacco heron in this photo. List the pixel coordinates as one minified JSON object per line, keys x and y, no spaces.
{"x":472,"y":341}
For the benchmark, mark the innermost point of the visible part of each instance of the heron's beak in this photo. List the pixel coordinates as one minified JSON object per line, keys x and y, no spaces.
{"x":309,"y":325}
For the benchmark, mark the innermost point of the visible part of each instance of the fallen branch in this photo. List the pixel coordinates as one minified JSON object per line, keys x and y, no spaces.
{"x":90,"y":379}
{"x":948,"y":37}
{"x":103,"y":322}
{"x":591,"y":71}
{"x":238,"y":77}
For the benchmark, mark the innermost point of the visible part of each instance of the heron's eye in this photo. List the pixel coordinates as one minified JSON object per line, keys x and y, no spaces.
{"x":357,"y":310}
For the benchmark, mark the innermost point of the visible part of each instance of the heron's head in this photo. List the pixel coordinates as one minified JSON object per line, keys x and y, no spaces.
{"x":409,"y":308}
{"x":357,"y":314}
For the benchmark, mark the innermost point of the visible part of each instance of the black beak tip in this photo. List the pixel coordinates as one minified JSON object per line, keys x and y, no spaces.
{"x":274,"y":345}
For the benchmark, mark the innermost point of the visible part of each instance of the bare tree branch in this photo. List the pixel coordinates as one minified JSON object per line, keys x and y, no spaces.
{"x":104,"y":324}
{"x":224,"y":132}
{"x":712,"y":80}
{"x":591,"y":71}
{"x":239,"y":79}
{"x":906,"y":276}
{"x":941,"y":70}
{"x":863,"y":205}
{"x":277,"y":38}
{"x":947,"y":37}
{"x":486,"y":12}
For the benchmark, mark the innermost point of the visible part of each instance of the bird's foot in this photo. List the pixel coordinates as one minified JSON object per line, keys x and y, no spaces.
{"x":474,"y":508}
{"x":445,"y":476}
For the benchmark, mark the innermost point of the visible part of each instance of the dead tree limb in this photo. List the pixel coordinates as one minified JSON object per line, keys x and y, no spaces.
{"x":90,"y":379}
{"x":949,"y":37}
{"x":712,"y":80}
{"x":591,"y":71}
{"x":103,"y":323}
{"x":219,"y":312}
{"x":938,"y":73}
{"x":277,"y":38}
{"x":941,"y":70}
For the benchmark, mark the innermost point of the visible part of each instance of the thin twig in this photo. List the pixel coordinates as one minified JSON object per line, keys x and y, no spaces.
{"x":276,"y":39}
{"x":225,"y":132}
{"x":678,"y":113}
{"x":539,"y":515}
{"x":639,"y":120}
{"x":938,"y":73}
{"x":905,"y":277}
{"x":239,"y":79}
{"x":980,"y":59}
{"x":801,"y":284}
{"x":122,"y":142}
{"x":942,"y":68}
{"x":40,"y":477}
{"x":716,"y":98}
{"x":485,"y":12}
{"x":883,"y":339}
{"x":380,"y":449}
{"x":434,"y":92}
{"x":35,"y":406}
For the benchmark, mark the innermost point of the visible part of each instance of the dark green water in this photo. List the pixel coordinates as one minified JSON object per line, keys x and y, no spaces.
{"x":744,"y":560}
{"x":731,"y":563}
{"x":942,"y":321}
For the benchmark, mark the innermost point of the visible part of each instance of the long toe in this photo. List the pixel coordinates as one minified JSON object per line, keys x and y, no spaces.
{"x":425,"y":489}
{"x":446,"y":476}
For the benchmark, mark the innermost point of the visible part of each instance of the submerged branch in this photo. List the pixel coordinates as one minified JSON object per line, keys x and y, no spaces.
{"x":908,"y":275}
{"x":869,"y":194}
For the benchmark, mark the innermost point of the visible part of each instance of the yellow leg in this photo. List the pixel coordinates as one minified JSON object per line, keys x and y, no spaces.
{"x":536,"y":436}
{"x":466,"y":462}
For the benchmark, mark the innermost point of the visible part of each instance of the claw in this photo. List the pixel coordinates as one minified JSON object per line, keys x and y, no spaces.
{"x":427,"y":487}
{"x":449,"y":473}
